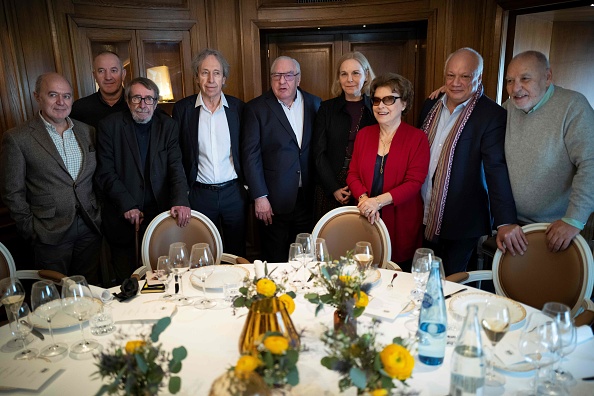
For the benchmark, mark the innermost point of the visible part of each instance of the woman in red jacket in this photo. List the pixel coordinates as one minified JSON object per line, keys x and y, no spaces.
{"x":389,"y":165}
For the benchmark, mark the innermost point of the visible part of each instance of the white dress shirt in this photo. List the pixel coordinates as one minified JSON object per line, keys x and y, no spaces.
{"x":295,"y":116}
{"x":215,"y":161}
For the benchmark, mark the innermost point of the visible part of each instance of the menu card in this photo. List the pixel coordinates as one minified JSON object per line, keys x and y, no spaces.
{"x":386,"y":307}
{"x":150,"y":310}
{"x":27,"y":374}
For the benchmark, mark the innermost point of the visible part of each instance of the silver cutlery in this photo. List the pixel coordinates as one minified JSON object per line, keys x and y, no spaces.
{"x":456,"y":292}
{"x":34,"y":331}
{"x":391,"y":285}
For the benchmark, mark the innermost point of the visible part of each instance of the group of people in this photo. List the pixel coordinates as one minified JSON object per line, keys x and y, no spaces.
{"x":471,"y":168}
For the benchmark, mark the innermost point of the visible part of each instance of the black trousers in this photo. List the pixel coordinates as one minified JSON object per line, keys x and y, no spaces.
{"x":455,"y":253}
{"x":226,"y":208}
{"x":278,"y":236}
{"x":76,"y":254}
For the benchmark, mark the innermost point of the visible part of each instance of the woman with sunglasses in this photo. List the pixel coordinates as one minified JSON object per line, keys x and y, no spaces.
{"x":337,"y":123}
{"x":389,"y":165}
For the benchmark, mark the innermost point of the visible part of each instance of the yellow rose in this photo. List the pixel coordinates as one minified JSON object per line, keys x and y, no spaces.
{"x":379,"y":392}
{"x":289,"y":303}
{"x":398,"y":362}
{"x":345,"y":278}
{"x":266,"y":287}
{"x":133,"y":346}
{"x":245,"y":365}
{"x":276,"y":344}
{"x":361,"y":299}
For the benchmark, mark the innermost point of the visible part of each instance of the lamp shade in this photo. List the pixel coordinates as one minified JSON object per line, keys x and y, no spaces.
{"x":160,"y":75}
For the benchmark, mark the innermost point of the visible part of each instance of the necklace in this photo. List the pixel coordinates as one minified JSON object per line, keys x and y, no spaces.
{"x":385,"y":145}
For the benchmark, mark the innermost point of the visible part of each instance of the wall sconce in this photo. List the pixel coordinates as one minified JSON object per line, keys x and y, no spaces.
{"x":160,"y":75}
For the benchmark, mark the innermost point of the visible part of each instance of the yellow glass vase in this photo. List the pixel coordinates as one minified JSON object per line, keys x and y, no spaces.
{"x":269,"y":314}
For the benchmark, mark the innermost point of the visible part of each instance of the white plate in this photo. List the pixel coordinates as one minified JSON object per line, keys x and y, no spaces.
{"x":62,"y":320}
{"x":458,"y":305}
{"x":221,"y":274}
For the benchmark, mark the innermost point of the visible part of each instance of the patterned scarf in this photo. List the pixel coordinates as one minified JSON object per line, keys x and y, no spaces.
{"x":443,"y":171}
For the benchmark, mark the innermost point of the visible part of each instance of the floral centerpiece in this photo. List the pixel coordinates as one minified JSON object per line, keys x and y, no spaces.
{"x":270,"y":306}
{"x":344,"y":289}
{"x":362,"y":363}
{"x":141,"y":366}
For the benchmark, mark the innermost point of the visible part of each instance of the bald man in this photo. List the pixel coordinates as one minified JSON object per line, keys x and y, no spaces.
{"x":46,"y":181}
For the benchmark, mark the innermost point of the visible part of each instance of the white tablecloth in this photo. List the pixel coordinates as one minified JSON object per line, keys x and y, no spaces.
{"x":212,"y":336}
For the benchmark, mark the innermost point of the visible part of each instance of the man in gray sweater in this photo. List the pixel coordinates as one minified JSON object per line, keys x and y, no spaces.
{"x":549,"y":147}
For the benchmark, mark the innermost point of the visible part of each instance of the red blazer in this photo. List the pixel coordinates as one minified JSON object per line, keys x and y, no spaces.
{"x":405,"y":171}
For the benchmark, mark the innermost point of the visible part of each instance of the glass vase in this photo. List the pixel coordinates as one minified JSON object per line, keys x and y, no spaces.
{"x":268,"y":314}
{"x":345,"y":322}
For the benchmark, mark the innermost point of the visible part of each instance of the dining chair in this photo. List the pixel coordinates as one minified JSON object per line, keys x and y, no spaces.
{"x":163,"y":231}
{"x":343,"y":227}
{"x":539,"y":276}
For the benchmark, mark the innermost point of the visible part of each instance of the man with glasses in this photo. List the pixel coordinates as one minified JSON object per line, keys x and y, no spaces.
{"x":139,"y":172}
{"x":46,"y":181}
{"x":209,"y":126}
{"x":467,"y":190}
{"x":277,"y":161}
{"x":109,"y":73}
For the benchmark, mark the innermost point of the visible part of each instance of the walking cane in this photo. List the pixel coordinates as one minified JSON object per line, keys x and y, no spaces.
{"x":136,"y":242}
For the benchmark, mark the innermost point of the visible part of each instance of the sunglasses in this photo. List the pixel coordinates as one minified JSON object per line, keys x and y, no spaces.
{"x":387,"y":100}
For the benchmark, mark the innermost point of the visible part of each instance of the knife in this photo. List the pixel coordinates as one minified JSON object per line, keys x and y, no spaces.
{"x":176,"y":284}
{"x":34,"y":331}
{"x":456,"y":292}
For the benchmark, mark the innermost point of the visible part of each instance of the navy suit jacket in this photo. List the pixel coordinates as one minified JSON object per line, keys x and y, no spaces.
{"x":188,"y":116}
{"x":120,"y":175}
{"x":479,"y":194}
{"x":272,"y":159}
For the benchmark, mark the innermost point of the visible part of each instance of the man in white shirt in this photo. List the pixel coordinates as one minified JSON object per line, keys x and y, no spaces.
{"x":209,"y":138}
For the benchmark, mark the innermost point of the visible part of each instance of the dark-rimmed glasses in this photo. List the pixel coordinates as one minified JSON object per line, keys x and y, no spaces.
{"x":387,"y":100}
{"x":148,"y":100}
{"x":288,"y":76}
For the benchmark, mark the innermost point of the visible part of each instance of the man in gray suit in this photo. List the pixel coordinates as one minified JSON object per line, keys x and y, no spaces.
{"x":46,"y":181}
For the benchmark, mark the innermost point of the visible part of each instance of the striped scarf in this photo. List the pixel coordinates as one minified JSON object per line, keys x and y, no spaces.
{"x":443,"y":172}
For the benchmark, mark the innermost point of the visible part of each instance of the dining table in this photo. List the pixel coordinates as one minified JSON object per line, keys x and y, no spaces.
{"x":211,"y":337}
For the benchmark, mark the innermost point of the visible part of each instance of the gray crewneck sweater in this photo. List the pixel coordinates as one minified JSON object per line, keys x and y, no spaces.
{"x":550,"y":158}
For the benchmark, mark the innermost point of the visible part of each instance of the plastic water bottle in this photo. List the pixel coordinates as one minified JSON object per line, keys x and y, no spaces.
{"x":468,"y":360}
{"x":433,"y":321}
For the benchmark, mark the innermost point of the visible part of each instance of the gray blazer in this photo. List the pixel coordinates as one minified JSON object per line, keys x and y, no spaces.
{"x":36,"y":187}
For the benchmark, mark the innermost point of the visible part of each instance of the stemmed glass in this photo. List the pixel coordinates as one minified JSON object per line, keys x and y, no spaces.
{"x":306,"y":240}
{"x":77,"y":302}
{"x":295,"y":254}
{"x":421,"y":265}
{"x":568,"y":336}
{"x":21,"y":326}
{"x":12,"y":294}
{"x":495,"y":322}
{"x":321,"y":253}
{"x":202,"y":258}
{"x":45,"y":301}
{"x":363,"y":255}
{"x":164,"y":274}
{"x":538,"y":342}
{"x":180,"y":264}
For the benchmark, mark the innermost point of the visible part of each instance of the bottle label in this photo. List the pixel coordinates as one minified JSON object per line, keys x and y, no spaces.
{"x":427,"y":301}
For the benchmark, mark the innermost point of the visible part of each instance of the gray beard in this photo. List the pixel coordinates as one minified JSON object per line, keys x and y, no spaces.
{"x":140,"y":121}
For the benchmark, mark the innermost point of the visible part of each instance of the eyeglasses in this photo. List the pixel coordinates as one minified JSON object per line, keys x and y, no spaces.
{"x":288,"y":76}
{"x":387,"y":100}
{"x":148,"y":100}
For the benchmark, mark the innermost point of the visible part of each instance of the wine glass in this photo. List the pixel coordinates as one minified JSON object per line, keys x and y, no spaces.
{"x":306,"y":240}
{"x":202,"y":259}
{"x":45,"y":301}
{"x":538,"y":342}
{"x":495,"y":322}
{"x":21,"y":326}
{"x":568,"y":335}
{"x":180,"y":264}
{"x":12,"y":294}
{"x":295,"y":254}
{"x":363,"y":255}
{"x":420,"y":268}
{"x":77,"y":302}
{"x":164,"y":274}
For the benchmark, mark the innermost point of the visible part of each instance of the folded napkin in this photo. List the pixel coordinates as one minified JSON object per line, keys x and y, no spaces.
{"x":101,"y":293}
{"x":128,"y":289}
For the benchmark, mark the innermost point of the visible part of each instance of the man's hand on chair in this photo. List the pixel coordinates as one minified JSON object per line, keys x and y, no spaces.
{"x":511,"y":237}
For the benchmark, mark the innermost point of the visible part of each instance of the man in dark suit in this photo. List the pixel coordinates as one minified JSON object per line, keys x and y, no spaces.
{"x":46,"y":179}
{"x":277,"y":160}
{"x":467,"y":191}
{"x":209,"y":139}
{"x":139,"y":172}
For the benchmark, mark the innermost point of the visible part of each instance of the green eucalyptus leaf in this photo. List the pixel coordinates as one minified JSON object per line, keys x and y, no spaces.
{"x":141,"y":363}
{"x":292,"y":356}
{"x":329,"y":362}
{"x":175,"y":366}
{"x":312,"y":297}
{"x":293,"y":376}
{"x":159,"y":327}
{"x":239,"y":302}
{"x":292,"y":294}
{"x":174,"y":384}
{"x":319,"y":308}
{"x":104,"y":389}
{"x":377,"y":362}
{"x":358,"y":311}
{"x":358,"y":378}
{"x":179,"y":353}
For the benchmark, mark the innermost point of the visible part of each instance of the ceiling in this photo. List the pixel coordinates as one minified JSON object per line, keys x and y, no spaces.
{"x":567,"y":15}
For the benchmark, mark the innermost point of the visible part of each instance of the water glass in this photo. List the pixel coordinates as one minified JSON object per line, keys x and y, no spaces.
{"x":102,"y":321}
{"x":230,"y":291}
